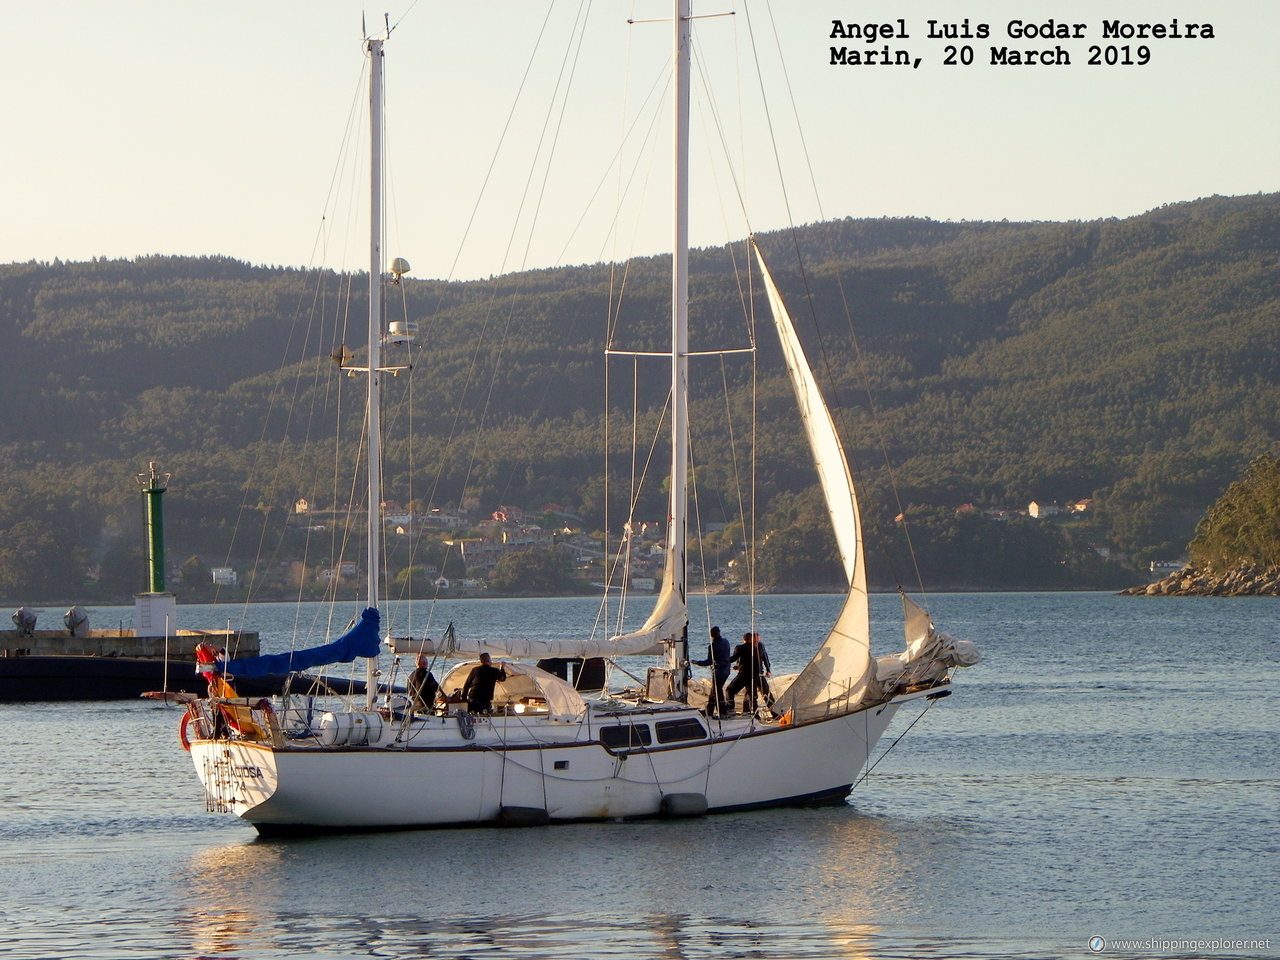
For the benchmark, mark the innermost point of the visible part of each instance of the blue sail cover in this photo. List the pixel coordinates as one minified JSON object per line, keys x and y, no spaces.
{"x":362,"y":640}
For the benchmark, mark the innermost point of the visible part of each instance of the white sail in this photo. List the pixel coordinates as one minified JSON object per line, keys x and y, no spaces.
{"x":667,"y":622}
{"x":839,"y":672}
{"x":824,"y":444}
{"x":925,"y":643}
{"x":917,"y":627}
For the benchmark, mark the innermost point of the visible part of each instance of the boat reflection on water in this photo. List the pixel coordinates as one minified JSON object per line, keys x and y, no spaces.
{"x":229,"y":891}
{"x":738,"y":885}
{"x":867,"y":866}
{"x":686,"y":937}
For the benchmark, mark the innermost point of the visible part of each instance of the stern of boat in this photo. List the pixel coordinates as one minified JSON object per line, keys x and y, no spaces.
{"x":236,"y":777}
{"x":233,"y":753}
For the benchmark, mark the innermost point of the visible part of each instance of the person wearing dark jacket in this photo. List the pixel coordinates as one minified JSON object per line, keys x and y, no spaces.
{"x":423,"y":686}
{"x":718,"y":658}
{"x":753,"y":669}
{"x":478,"y":690}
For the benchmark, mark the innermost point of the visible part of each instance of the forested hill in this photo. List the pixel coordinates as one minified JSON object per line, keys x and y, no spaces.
{"x":1236,"y":549}
{"x":1135,"y":362}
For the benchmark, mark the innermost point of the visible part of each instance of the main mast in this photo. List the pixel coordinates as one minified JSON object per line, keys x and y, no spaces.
{"x":678,"y":533}
{"x":375,"y":341}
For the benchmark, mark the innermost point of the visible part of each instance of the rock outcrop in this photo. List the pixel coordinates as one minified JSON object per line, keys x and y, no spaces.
{"x":1242,"y":580}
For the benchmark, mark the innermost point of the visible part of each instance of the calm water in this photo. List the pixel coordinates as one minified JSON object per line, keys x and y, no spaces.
{"x":1110,"y":770}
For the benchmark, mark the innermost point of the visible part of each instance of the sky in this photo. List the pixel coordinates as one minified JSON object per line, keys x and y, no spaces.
{"x":226,"y":128}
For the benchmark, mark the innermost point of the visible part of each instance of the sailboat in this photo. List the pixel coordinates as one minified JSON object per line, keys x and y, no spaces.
{"x":544,"y":752}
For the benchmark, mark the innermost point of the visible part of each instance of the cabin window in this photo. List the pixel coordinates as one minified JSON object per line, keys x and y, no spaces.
{"x":625,"y":736}
{"x":671,"y":731}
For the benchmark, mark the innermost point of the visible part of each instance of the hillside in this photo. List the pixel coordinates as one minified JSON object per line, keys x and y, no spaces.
{"x":1130,"y":362}
{"x":1236,"y":549}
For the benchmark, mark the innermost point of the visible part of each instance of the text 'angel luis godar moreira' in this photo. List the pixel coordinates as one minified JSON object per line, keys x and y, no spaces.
{"x":1020,"y":53}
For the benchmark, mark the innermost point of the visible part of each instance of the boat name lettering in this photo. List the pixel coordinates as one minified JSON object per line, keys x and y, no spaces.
{"x":239,"y":769}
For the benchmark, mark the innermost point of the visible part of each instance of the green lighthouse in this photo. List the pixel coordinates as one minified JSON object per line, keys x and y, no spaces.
{"x":153,"y":488}
{"x":155,"y":611}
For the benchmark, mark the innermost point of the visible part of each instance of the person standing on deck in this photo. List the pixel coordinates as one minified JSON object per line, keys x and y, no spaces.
{"x":753,"y":667}
{"x":718,"y":658}
{"x":762,"y":657}
{"x":478,"y":690}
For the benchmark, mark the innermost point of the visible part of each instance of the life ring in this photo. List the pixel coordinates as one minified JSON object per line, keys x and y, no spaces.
{"x":182,"y":731}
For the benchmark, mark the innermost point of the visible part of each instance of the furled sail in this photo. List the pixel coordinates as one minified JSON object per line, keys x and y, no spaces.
{"x":837,"y":676}
{"x":917,"y":627}
{"x":524,"y":648}
{"x":667,"y":622}
{"x":362,"y":640}
{"x":924,"y":643}
{"x":636,"y":644}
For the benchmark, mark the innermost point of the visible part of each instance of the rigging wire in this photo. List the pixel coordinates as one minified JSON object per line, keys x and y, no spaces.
{"x":473,"y":367}
{"x":506,"y":324}
{"x":652,"y":107}
{"x":580,"y":30}
{"x":867,"y":772}
{"x":616,"y":284}
{"x":276,"y":398}
{"x":808,"y":292}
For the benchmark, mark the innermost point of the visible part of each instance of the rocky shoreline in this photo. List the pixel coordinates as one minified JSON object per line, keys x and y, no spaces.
{"x":1243,"y":580}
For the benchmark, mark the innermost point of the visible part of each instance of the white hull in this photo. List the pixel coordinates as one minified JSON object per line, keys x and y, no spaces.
{"x":548,"y":755}
{"x":566,"y":776}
